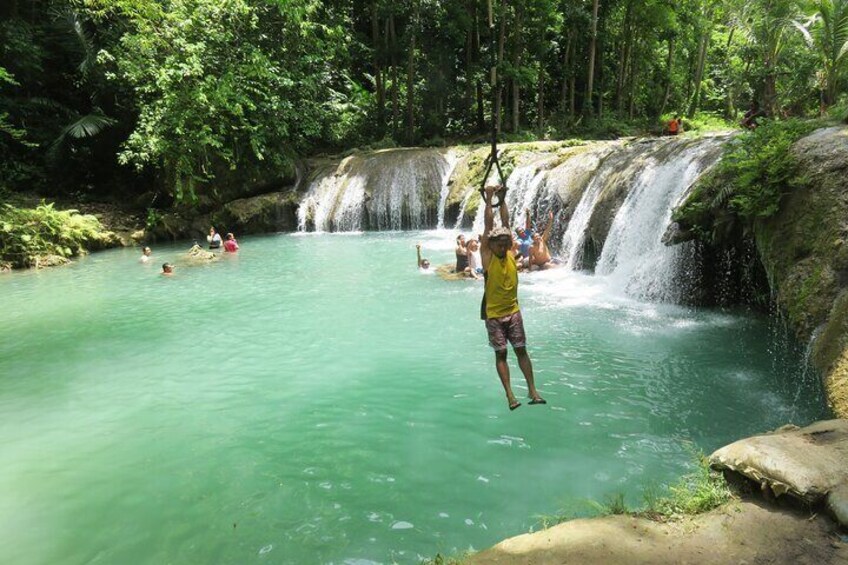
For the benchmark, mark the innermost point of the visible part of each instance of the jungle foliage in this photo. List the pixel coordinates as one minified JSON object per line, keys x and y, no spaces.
{"x":756,"y":171}
{"x":150,"y":100}
{"x":31,"y":237}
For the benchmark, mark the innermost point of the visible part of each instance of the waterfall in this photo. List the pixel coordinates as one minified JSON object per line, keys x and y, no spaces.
{"x":384,"y":190}
{"x":613,"y":199}
{"x":524,"y":187}
{"x":465,"y":200}
{"x":452,"y":160}
{"x":634,"y":256}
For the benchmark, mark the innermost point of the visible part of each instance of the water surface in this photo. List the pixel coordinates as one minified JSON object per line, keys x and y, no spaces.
{"x":317,"y":400}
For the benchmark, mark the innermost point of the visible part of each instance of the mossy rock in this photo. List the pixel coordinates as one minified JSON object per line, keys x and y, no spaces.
{"x":830,"y":353}
{"x":276,"y":211}
{"x":803,"y":245}
{"x":448,"y":273}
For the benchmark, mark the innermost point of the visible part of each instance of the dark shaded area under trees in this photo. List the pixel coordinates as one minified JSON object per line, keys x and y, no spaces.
{"x":146,"y":102}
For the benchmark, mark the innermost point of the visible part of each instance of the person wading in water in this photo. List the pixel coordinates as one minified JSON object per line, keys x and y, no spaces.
{"x":500,"y":301}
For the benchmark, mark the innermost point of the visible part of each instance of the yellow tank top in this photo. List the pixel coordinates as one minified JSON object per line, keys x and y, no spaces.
{"x":501,"y":287}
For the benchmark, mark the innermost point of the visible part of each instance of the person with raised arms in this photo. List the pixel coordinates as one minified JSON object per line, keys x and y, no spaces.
{"x":423,"y":264}
{"x":500,"y":307}
{"x":540,"y":255}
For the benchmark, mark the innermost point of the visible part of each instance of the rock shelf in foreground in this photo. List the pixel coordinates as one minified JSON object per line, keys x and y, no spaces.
{"x":810,"y":463}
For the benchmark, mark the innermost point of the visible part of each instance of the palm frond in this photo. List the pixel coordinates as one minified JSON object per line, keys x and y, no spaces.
{"x":88,"y":126}
{"x":724,"y":194}
{"x":75,"y":26}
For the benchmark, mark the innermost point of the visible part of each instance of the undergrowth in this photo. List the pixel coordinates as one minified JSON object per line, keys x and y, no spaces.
{"x":31,"y":236}
{"x":697,"y":492}
{"x":756,"y":171}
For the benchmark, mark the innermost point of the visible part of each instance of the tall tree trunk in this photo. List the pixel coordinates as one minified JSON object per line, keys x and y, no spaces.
{"x":624,"y":63}
{"x":669,"y":65}
{"x":590,"y":79}
{"x":634,"y":75}
{"x":378,"y":70}
{"x":501,"y":47}
{"x":410,"y":75}
{"x":540,"y":105}
{"x":572,"y":83}
{"x":566,"y":72}
{"x":481,"y":117}
{"x":516,"y":85}
{"x":468,"y":100}
{"x":770,"y":88}
{"x":703,"y":45}
{"x":395,"y":102}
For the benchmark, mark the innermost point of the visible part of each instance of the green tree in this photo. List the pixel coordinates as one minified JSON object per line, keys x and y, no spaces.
{"x":224,"y":84}
{"x":826,"y":31}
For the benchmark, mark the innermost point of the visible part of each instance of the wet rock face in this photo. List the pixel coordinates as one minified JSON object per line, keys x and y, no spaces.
{"x":803,"y":248}
{"x":276,"y":211}
{"x":808,"y":463}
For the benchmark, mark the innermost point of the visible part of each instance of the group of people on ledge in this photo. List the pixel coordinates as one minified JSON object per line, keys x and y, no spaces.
{"x":529,"y":246}
{"x":230,"y":245}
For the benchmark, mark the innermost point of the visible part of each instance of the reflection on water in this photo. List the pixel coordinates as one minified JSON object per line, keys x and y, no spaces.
{"x":314,"y":400}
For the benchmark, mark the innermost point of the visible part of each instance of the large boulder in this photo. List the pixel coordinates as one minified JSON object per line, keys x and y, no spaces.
{"x":807,"y":463}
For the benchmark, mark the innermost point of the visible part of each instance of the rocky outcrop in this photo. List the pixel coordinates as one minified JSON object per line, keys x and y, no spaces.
{"x":804,"y":249}
{"x":806,"y":463}
{"x":799,"y":254}
{"x":741,"y":532}
{"x":272,"y":212}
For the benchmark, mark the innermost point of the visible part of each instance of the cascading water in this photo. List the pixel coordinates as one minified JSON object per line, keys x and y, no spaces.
{"x":385,"y":190}
{"x":643,"y":180}
{"x":525,"y":186}
{"x":452,"y":160}
{"x":634,"y":257}
{"x":618,"y":167}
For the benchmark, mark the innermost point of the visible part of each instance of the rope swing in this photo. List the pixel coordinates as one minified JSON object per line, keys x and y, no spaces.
{"x":492,"y":159}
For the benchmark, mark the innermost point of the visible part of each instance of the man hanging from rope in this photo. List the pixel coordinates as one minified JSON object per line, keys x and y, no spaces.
{"x":500,"y":301}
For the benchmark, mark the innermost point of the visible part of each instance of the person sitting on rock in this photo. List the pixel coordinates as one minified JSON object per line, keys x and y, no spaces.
{"x":540,"y":255}
{"x":674,"y":126}
{"x":461,"y":254}
{"x":145,"y":255}
{"x":423,"y":264}
{"x":525,"y":236}
{"x":214,"y":239}
{"x":474,"y":268}
{"x":231,"y":245}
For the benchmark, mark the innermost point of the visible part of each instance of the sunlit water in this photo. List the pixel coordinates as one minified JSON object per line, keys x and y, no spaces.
{"x":317,"y":400}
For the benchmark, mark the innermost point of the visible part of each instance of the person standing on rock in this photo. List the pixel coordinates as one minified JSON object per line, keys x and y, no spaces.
{"x":500,"y":300}
{"x":540,"y":255}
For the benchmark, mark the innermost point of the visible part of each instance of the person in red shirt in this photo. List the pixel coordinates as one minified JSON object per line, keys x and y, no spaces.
{"x":231,"y":245}
{"x":675,"y":126}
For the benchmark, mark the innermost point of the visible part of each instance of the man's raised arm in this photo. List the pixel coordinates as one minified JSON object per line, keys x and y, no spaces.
{"x":547,"y":233}
{"x":504,"y":211}
{"x":488,"y":215}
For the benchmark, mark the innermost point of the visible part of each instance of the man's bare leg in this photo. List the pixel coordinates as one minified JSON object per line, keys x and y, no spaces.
{"x":503,"y":372}
{"x":527,"y":368}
